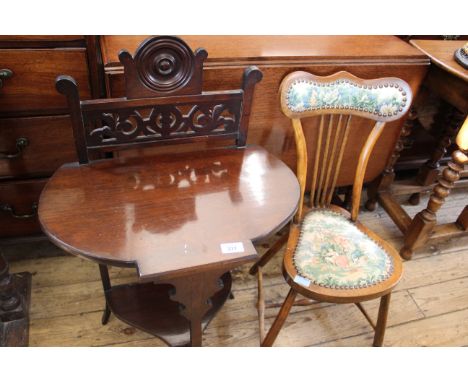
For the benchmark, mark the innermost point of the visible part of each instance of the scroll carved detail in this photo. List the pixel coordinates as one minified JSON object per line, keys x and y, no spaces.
{"x":162,"y":122}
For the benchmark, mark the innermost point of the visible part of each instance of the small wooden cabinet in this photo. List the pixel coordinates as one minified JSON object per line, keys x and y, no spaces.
{"x":35,"y":129}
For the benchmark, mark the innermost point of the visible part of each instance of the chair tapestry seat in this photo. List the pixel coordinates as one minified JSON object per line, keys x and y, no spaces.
{"x":332,"y":252}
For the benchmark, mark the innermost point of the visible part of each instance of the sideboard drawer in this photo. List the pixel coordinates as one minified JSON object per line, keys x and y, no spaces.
{"x":18,"y":207}
{"x":31,"y":87}
{"x":36,"y":146}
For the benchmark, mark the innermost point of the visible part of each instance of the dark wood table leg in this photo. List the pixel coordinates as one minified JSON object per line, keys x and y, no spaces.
{"x":15,"y":291}
{"x":424,"y":222}
{"x":448,"y":120}
{"x":194,"y":292}
{"x":384,"y":181}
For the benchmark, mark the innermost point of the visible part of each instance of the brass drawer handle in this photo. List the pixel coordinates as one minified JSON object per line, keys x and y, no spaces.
{"x":5,"y":73}
{"x":21,"y":144}
{"x":7,"y":208}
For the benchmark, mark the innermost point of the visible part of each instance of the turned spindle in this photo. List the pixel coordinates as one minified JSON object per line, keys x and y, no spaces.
{"x":424,"y":222}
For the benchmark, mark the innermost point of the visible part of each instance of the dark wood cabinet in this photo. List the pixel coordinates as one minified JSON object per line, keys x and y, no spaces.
{"x":31,"y":88}
{"x":35,"y":129}
{"x":49,"y":145}
{"x":276,"y":56}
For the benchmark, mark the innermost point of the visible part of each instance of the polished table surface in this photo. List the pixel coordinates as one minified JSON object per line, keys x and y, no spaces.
{"x":170,"y":213}
{"x":184,"y":220}
{"x":441,"y":54}
{"x":446,"y":76}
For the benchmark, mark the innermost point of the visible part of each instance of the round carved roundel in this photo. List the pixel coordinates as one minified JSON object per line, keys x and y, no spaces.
{"x":165,"y":64}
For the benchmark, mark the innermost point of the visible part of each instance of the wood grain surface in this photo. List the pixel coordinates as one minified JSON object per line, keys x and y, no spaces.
{"x":169,"y":214}
{"x":441,"y":54}
{"x":366,"y":57}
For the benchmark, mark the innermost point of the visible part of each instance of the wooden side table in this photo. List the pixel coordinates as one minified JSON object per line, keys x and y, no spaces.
{"x":182,"y":220}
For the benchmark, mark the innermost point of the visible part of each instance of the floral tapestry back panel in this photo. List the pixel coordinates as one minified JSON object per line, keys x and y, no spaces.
{"x":332,"y":252}
{"x":383,"y":100}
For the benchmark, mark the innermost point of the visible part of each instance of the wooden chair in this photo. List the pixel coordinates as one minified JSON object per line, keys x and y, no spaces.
{"x":330,"y":256}
{"x":164,"y":104}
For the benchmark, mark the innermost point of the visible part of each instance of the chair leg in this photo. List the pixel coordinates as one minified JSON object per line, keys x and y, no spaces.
{"x":268,"y":255}
{"x":381,"y":320}
{"x":260,"y":304}
{"x":280,"y":319}
{"x":106,"y":285}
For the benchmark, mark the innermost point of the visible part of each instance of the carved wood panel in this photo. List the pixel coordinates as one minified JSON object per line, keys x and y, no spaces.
{"x":163,"y":102}
{"x":162,"y":122}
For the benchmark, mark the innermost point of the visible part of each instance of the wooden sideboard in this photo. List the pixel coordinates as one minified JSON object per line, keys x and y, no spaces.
{"x":35,"y":128}
{"x":31,"y":107}
{"x":277,"y":56}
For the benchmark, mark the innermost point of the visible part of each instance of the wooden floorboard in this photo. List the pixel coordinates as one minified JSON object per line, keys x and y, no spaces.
{"x":448,"y":329}
{"x":429,"y":307}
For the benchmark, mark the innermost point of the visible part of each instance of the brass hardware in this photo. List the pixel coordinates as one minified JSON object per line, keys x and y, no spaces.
{"x":21,"y":144}
{"x":7,"y":208}
{"x":5,"y":73}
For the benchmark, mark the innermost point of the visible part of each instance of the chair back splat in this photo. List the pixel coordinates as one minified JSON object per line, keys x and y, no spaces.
{"x":164,"y":102}
{"x":337,"y":100}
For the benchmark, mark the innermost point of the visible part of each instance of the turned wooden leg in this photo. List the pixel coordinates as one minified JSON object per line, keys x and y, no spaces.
{"x":384,"y":181}
{"x":9,"y":297}
{"x":381,"y":320}
{"x":106,"y":286}
{"x":424,"y":222}
{"x":280,"y":319}
{"x":449,"y":119}
{"x":15,"y":295}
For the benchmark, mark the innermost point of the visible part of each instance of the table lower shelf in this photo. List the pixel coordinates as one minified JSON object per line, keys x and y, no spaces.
{"x":149,"y":307}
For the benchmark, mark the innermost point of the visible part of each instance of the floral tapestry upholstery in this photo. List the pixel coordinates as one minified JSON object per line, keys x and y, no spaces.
{"x":383,"y":100}
{"x":332,"y":252}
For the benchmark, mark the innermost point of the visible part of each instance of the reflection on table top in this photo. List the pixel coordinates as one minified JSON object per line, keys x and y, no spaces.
{"x":169,"y":213}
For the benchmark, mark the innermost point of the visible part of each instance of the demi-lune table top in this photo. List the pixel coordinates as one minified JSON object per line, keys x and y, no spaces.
{"x":441,"y":54}
{"x":169,"y":214}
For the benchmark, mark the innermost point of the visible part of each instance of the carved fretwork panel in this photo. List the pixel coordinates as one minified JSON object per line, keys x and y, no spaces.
{"x":161,"y":122}
{"x":163,"y":102}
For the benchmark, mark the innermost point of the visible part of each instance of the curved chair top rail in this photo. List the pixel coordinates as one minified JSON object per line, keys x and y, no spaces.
{"x":304,"y":95}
